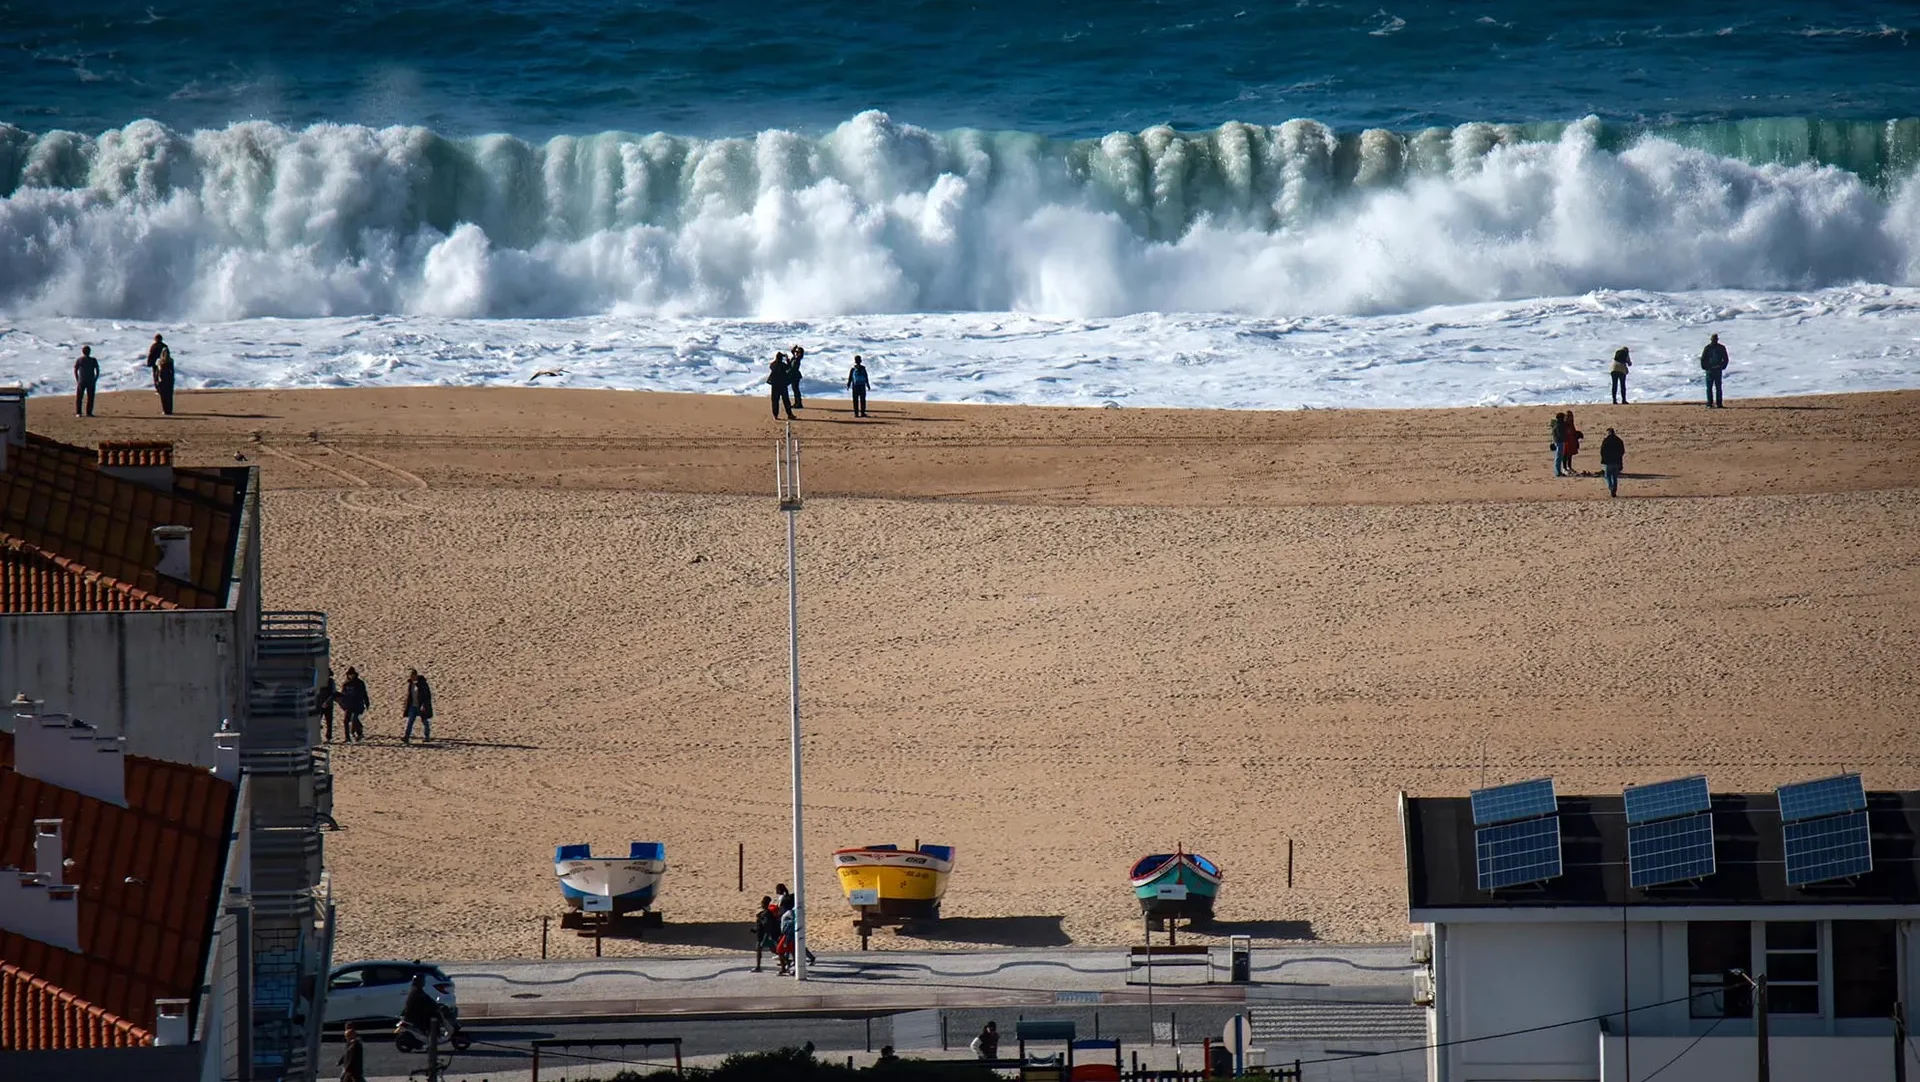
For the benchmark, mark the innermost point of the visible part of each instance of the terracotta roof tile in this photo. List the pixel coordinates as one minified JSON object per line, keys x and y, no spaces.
{"x":55,"y":497}
{"x":35,"y":580}
{"x":140,"y":941}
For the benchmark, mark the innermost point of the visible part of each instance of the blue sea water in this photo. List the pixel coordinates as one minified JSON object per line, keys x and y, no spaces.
{"x":1282,"y":170}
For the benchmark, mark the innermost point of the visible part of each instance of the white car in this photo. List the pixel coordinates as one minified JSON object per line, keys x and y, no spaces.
{"x":377,"y":991}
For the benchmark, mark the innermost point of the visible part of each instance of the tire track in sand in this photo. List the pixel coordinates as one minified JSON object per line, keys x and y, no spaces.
{"x":418,"y":483}
{"x":346,"y":498}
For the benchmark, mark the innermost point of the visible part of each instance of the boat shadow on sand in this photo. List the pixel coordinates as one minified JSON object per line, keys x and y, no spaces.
{"x":1258,"y":929}
{"x":731,"y":935}
{"x":991,"y":931}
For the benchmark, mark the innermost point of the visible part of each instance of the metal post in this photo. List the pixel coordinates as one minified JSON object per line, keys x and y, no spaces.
{"x":1765,"y":1072}
{"x":545,"y":922}
{"x":743,"y":867}
{"x":787,"y":462}
{"x":1899,"y":1041}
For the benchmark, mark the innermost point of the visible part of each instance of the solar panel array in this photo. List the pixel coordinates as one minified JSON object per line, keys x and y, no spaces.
{"x":1828,"y":796}
{"x":1509,"y":803}
{"x":1671,"y":850}
{"x":1517,"y":840}
{"x":1667,"y":799}
{"x":1824,"y":826}
{"x":1512,"y":854}
{"x":1836,"y":847}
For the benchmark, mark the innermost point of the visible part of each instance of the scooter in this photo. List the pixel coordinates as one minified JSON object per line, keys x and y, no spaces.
{"x":408,"y":1038}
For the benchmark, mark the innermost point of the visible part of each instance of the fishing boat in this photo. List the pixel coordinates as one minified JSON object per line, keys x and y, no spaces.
{"x":613,"y":885}
{"x":1175,"y":884}
{"x":888,"y":881}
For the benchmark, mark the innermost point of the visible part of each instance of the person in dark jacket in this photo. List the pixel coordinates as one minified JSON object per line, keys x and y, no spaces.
{"x":1622,"y":361}
{"x":1613,"y":459}
{"x":329,"y":692}
{"x":86,"y":377}
{"x":353,"y":704}
{"x":766,"y":930}
{"x":857,"y":383}
{"x":779,"y":385}
{"x":420,"y":707}
{"x":1559,"y":434}
{"x":1713,"y":361}
{"x":787,"y":906}
{"x":422,"y":1011}
{"x":153,"y":351}
{"x":163,"y":380}
{"x":353,"y":1058}
{"x":987,"y":1045}
{"x":793,"y":374}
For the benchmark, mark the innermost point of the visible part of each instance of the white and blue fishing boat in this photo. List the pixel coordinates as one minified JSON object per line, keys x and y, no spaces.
{"x":1176,"y":884}
{"x":611,"y":885}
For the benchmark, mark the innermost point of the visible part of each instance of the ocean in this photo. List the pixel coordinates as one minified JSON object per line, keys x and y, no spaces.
{"x":1278,"y":205}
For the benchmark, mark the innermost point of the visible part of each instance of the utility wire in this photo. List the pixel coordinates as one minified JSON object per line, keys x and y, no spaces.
{"x":1683,"y":1051}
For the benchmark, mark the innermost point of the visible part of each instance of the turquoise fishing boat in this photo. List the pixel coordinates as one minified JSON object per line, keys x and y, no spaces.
{"x":1176,"y":884}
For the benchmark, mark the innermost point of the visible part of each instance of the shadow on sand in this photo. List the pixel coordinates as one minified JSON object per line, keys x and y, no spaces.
{"x":728,"y":935}
{"x":1258,"y":929}
{"x":993,"y":931}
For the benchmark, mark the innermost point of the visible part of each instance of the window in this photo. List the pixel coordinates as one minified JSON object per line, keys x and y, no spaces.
{"x":1715,"y":948}
{"x":347,"y":978}
{"x":1793,"y":967}
{"x":1865,"y":969}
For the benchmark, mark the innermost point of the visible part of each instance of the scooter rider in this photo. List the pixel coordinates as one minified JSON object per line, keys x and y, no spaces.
{"x":422,"y":1012}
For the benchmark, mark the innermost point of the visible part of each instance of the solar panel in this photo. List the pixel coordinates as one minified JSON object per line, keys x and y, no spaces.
{"x":1506,"y":803}
{"x":1670,"y":851}
{"x":1667,"y":799}
{"x":1832,"y":848}
{"x":1828,"y":796}
{"x":1510,"y":854}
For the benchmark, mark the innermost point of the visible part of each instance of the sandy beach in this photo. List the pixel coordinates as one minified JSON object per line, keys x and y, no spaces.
{"x":1056,"y":639}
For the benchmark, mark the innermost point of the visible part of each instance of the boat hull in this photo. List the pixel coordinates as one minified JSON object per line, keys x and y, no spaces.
{"x":909,"y":884}
{"x":629,"y":884}
{"x":1199,"y":876}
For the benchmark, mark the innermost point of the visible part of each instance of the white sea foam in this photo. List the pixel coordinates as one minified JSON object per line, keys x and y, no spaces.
{"x":1521,"y":352}
{"x":1483,"y":264}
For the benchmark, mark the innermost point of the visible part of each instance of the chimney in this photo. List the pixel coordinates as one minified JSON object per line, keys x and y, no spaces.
{"x":37,"y":904}
{"x":226,"y":753}
{"x":176,"y":551}
{"x":71,"y":754}
{"x":170,"y":1023}
{"x":48,"y":852}
{"x":13,"y":416}
{"x":144,"y":462}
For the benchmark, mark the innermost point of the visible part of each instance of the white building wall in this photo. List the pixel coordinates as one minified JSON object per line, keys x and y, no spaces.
{"x":1732,"y":1059}
{"x":1505,"y":977}
{"x":162,"y":680}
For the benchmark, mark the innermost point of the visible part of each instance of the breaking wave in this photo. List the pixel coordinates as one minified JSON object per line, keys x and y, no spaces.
{"x":878,"y":216}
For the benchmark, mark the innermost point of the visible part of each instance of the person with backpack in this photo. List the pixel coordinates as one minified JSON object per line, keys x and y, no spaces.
{"x":1621,"y":362}
{"x":1613,"y":459}
{"x":353,"y":700}
{"x":1713,"y":361}
{"x":779,"y":381}
{"x":857,"y":383}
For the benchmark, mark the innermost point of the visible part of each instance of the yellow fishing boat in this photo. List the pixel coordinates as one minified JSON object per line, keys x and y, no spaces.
{"x":888,"y":881}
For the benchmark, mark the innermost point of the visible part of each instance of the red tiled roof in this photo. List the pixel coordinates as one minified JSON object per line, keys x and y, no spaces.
{"x":140,"y":941}
{"x":136,"y":453}
{"x":35,"y":580}
{"x":55,"y":497}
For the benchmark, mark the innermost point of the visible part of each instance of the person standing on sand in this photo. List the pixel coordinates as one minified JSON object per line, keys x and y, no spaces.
{"x":1621,"y":362}
{"x":353,"y":701}
{"x":1559,"y":434}
{"x":1613,"y":459}
{"x":86,"y":377}
{"x":793,"y":374}
{"x":163,"y":380}
{"x":778,"y":385}
{"x":1713,"y":361}
{"x":153,"y":351}
{"x":766,"y":930}
{"x":1570,"y":445}
{"x":857,"y":383}
{"x":328,"y":694}
{"x":419,"y":706}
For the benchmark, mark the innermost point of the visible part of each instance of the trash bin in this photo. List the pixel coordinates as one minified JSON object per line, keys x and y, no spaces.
{"x":1240,"y":949}
{"x":1220,"y":1062}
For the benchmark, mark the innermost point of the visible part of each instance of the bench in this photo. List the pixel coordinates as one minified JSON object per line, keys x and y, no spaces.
{"x":1150,"y":958}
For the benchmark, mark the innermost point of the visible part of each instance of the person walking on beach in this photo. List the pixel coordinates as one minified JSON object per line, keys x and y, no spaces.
{"x":1713,"y":361}
{"x":328,"y":694}
{"x":153,"y":351}
{"x":1621,"y":362}
{"x":766,"y":930}
{"x":1613,"y":459}
{"x":793,"y":374}
{"x":353,"y":702}
{"x":353,"y":1058}
{"x":163,"y":380}
{"x":1570,"y":445}
{"x":779,"y":386}
{"x":1559,"y":434}
{"x":419,"y":706}
{"x":857,"y":383}
{"x":86,"y":377}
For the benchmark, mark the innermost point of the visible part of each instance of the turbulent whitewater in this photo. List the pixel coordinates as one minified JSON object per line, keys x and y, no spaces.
{"x":1481,"y":263}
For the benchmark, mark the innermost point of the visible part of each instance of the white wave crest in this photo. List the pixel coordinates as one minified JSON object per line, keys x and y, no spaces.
{"x":882,"y":217}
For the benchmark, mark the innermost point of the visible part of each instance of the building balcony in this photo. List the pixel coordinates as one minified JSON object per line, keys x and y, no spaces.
{"x":1733,"y":1058}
